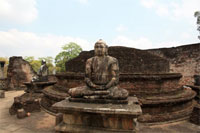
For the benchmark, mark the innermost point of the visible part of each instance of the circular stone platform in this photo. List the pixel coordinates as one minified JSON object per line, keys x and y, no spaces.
{"x":52,"y":94}
{"x":161,"y":96}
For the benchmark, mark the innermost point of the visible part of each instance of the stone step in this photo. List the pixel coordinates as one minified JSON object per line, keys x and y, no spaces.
{"x":185,"y":95}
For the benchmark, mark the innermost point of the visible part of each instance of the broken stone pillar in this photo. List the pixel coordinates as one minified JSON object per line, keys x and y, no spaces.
{"x":2,"y":94}
{"x":19,"y":71}
{"x":2,"y":63}
{"x":21,"y":113}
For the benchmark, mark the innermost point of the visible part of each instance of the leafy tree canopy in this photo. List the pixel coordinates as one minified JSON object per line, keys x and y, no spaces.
{"x":69,"y":51}
{"x":37,"y":63}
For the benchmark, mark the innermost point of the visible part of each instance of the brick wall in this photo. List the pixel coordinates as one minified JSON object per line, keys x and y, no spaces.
{"x":183,"y":59}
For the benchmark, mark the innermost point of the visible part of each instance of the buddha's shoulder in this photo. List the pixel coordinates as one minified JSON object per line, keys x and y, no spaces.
{"x":90,"y":59}
{"x":112,"y":59}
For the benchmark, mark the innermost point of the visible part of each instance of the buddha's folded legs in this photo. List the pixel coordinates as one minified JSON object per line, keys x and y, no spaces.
{"x":118,"y":93}
{"x":80,"y":91}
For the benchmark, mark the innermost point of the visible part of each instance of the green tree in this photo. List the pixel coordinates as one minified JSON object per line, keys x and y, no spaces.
{"x":37,"y":63}
{"x":69,"y":51}
{"x":29,"y":58}
{"x":34,"y":63}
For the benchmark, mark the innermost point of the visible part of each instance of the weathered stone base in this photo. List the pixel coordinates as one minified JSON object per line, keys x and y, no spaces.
{"x":66,"y":128}
{"x":89,"y":117}
{"x":27,"y":101}
{"x":195,"y":117}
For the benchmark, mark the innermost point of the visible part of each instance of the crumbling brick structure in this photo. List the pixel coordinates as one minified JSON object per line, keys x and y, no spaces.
{"x":183,"y":59}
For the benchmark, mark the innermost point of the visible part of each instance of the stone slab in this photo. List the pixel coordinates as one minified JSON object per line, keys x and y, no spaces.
{"x":132,"y":108}
{"x":102,"y":101}
{"x":37,"y":86}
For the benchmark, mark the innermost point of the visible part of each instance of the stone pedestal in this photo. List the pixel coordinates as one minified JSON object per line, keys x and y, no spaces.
{"x":90,"y":117}
{"x":37,"y":86}
{"x":30,"y":100}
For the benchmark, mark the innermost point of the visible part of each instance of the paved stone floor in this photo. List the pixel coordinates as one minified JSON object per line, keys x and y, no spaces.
{"x":41,"y":122}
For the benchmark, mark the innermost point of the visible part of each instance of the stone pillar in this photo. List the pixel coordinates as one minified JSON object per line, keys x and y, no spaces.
{"x":2,"y":63}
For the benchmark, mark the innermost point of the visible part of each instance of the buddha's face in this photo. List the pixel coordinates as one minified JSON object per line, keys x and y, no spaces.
{"x":100,"y":49}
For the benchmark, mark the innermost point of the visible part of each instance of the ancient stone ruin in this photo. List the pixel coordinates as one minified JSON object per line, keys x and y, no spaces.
{"x":157,"y":77}
{"x":184,"y":59}
{"x":129,"y":59}
{"x":99,"y":105}
{"x":19,"y":71}
{"x":146,"y":75}
{"x":30,"y":101}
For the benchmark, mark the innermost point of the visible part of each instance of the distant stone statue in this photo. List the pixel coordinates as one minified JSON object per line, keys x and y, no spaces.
{"x":101,"y":77}
{"x":42,"y":73}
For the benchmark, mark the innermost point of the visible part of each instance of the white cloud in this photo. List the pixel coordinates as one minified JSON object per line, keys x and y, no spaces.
{"x":121,"y":28}
{"x":18,"y":11}
{"x":160,"y":8}
{"x":16,"y":43}
{"x":146,"y":43}
{"x":186,"y":8}
{"x":148,"y":3}
{"x":140,"y":43}
{"x":178,"y":10}
{"x":83,"y":1}
{"x":186,"y":36}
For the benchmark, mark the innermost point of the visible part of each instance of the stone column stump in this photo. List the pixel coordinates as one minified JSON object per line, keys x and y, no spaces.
{"x":21,"y":113}
{"x":2,"y":94}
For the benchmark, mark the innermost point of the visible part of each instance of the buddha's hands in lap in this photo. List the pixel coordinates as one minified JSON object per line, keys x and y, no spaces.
{"x":99,"y":87}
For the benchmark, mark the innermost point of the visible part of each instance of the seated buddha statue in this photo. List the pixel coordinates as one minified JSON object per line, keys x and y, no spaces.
{"x":101,"y":77}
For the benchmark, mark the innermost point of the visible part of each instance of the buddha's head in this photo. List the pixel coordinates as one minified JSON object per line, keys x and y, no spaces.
{"x":100,"y":48}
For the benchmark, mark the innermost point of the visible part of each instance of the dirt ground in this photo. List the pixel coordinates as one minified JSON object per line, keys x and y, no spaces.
{"x":42,"y":122}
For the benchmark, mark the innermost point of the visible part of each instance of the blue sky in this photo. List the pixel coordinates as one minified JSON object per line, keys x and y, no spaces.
{"x":41,"y":27}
